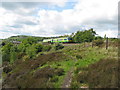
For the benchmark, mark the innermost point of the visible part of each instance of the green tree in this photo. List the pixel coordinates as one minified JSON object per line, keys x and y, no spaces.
{"x":98,"y":38}
{"x":38,"y":47}
{"x":31,"y":51}
{"x":47,"y":48}
{"x":84,"y":36}
{"x":6,"y":52}
{"x":58,"y":46}
{"x":22,"y":47}
{"x":29,"y":40}
{"x":13,"y":54}
{"x":34,"y":49}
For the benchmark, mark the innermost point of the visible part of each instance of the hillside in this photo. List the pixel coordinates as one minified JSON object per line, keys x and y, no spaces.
{"x":75,"y":66}
{"x":22,"y":37}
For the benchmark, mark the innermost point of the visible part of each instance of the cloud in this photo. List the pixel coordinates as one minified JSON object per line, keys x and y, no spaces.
{"x":4,"y":34}
{"x":86,"y":14}
{"x":109,"y":33}
{"x":14,"y":4}
{"x":35,"y":19}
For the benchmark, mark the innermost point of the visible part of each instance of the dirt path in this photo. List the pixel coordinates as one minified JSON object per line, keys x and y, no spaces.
{"x":68,"y":78}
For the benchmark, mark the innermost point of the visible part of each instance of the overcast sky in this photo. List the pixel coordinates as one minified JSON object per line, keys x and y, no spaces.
{"x":58,"y":17}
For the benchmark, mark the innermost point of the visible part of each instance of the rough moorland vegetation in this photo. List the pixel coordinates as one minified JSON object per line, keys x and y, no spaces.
{"x":32,"y":64}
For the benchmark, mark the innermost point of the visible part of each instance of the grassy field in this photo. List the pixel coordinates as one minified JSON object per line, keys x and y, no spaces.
{"x":49,"y":70}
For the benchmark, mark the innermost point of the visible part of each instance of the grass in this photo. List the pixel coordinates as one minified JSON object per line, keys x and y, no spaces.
{"x":85,"y":69}
{"x":66,"y":66}
{"x":27,"y":69}
{"x":102,"y":74}
{"x":78,"y":57}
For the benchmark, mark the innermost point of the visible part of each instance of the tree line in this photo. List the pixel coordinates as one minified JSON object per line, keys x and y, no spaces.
{"x":28,"y":49}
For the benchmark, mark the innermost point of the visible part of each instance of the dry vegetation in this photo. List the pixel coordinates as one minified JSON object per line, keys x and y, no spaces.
{"x":93,"y":68}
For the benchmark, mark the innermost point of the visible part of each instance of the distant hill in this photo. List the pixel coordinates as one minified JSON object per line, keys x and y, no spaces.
{"x":22,"y":37}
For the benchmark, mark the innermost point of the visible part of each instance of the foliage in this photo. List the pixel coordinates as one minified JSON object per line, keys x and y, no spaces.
{"x":102,"y":74}
{"x":98,"y":38}
{"x":32,"y":50}
{"x":22,"y":47}
{"x":13,"y":54}
{"x":6,"y":52}
{"x":7,"y":69}
{"x":31,"y":66}
{"x":26,"y":57}
{"x":38,"y":47}
{"x":3,"y":43}
{"x":29,"y":40}
{"x":47,"y":47}
{"x":58,"y":46}
{"x":84,"y":36}
{"x":98,"y":42}
{"x":78,"y":56}
{"x":33,"y":74}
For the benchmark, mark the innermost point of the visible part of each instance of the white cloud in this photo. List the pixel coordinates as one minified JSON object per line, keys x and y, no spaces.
{"x":98,"y":14}
{"x":6,"y":17}
{"x":90,"y":14}
{"x":6,"y":34}
{"x":109,"y":33}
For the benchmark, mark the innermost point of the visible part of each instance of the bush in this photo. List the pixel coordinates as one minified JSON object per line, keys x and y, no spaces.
{"x":6,"y":52}
{"x":58,"y":46}
{"x":38,"y":47}
{"x":31,"y":51}
{"x":34,"y":49}
{"x":98,"y":42}
{"x":98,"y":38}
{"x":102,"y":74}
{"x":47,"y":48}
{"x":60,"y":72}
{"x":7,"y":69}
{"x":78,"y":56}
{"x":26,"y":57}
{"x":54,"y":79}
{"x":20,"y":55}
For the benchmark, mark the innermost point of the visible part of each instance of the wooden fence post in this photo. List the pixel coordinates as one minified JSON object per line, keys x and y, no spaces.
{"x":84,"y":43}
{"x":106,"y":43}
{"x":92,"y":44}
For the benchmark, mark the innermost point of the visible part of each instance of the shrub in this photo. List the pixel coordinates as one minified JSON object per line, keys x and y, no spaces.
{"x":20,"y":55}
{"x":54,"y":79}
{"x":98,"y":38}
{"x":39,"y":54}
{"x":98,"y":42}
{"x":38,"y":47}
{"x":74,"y":85}
{"x":26,"y":57}
{"x":3,"y":43}
{"x":13,"y":54}
{"x":47,"y":48}
{"x":6,"y":52}
{"x":7,"y":69}
{"x":60,"y":72}
{"x":34,"y":49}
{"x":78,"y":56}
{"x":31,"y":51}
{"x":58,"y":46}
{"x":102,"y":74}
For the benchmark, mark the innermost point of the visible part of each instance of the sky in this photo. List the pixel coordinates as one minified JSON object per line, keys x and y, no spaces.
{"x":58,"y":17}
